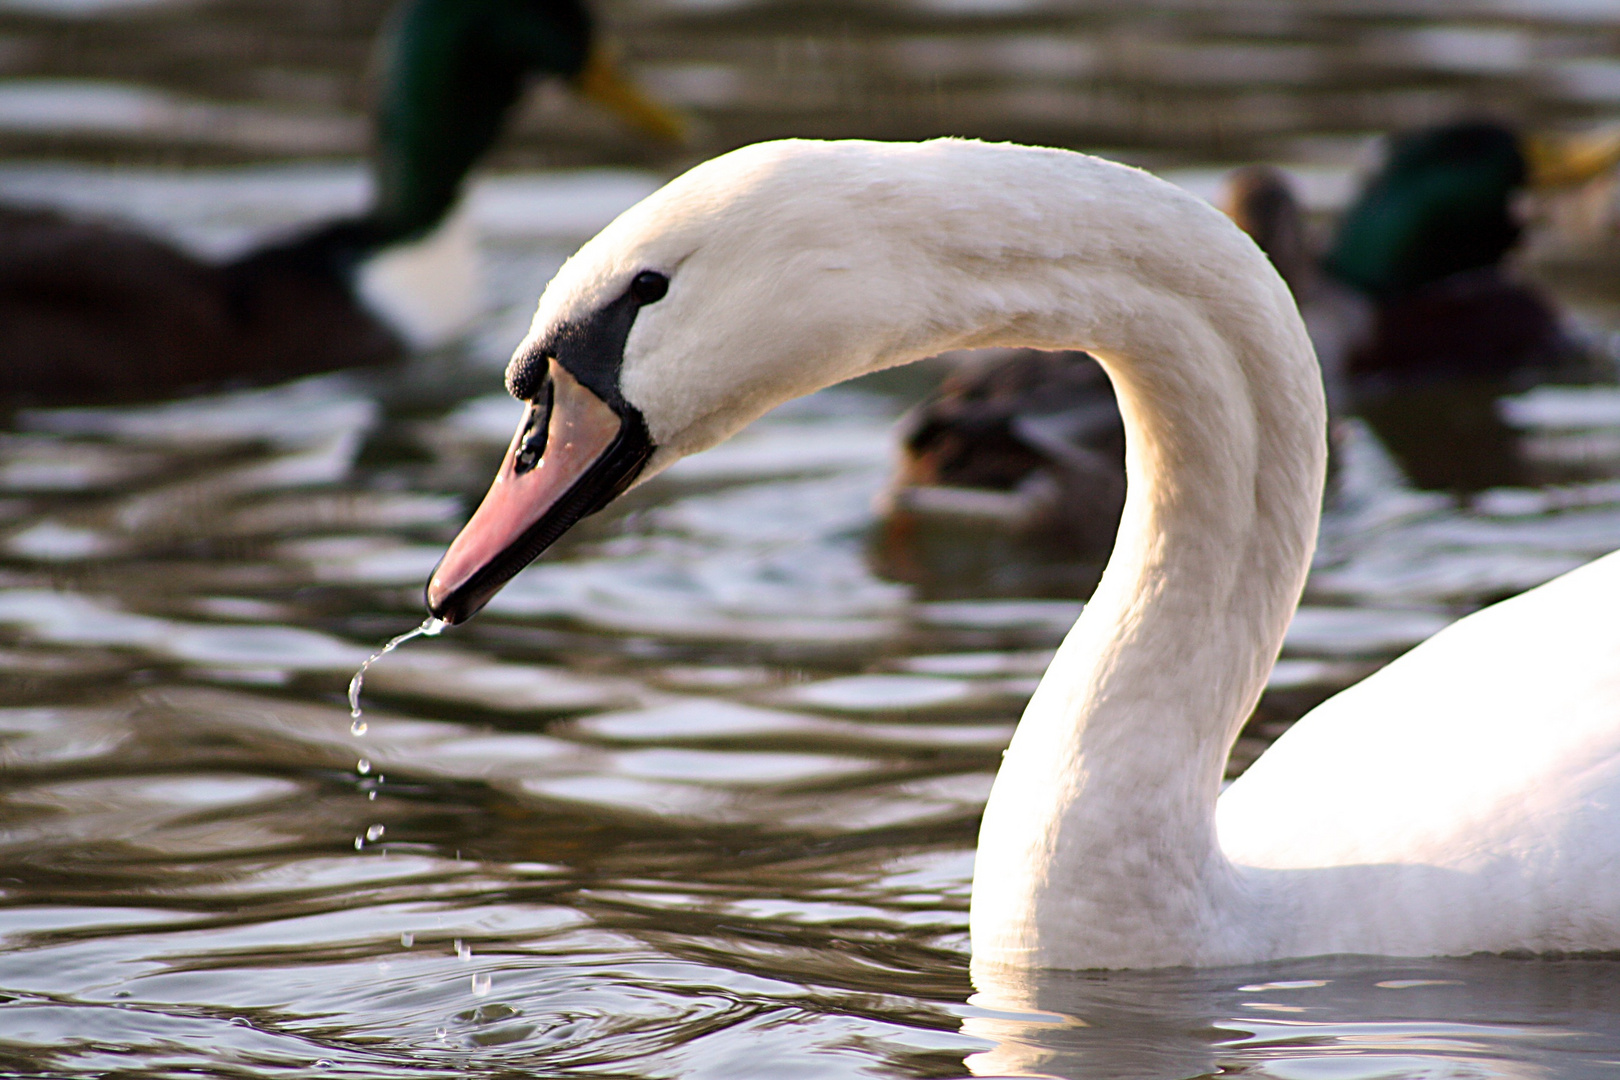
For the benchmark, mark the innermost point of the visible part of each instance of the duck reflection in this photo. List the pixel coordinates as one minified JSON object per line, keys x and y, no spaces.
{"x":1298,"y":1019}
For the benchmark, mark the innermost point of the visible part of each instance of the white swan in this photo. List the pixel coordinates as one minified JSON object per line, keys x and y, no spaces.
{"x":1467,"y":798}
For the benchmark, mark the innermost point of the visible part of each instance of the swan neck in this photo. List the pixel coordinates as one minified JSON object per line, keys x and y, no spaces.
{"x":1098,"y":846}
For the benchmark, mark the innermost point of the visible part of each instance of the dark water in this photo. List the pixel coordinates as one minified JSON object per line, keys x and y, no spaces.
{"x":696,"y":796}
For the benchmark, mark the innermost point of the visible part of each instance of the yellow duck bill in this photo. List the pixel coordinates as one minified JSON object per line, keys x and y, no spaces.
{"x":601,"y":81}
{"x":572,"y":455}
{"x":1564,"y":159}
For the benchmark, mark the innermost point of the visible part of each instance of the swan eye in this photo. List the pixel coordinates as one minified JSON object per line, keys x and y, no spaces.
{"x":536,"y":429}
{"x":648,"y":287}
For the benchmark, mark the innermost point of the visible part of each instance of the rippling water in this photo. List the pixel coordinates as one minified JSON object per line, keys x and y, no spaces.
{"x":697,"y":795}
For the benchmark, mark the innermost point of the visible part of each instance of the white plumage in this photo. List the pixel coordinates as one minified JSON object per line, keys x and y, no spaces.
{"x":1466,"y":798}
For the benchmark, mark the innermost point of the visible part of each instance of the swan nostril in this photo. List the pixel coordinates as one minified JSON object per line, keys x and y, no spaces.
{"x":536,"y":430}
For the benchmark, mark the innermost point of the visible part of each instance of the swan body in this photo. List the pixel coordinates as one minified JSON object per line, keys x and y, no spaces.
{"x":1459,"y":801}
{"x":1465,"y":798}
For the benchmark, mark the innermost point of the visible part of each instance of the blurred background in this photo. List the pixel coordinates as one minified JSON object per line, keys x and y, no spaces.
{"x":212,"y":83}
{"x":701,"y":788}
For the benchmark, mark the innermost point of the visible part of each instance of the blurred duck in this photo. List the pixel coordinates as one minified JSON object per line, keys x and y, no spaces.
{"x":1427,"y":241}
{"x":1452,"y":326}
{"x":1031,"y":441}
{"x":1424,"y":250}
{"x":1417,"y":323}
{"x":93,"y":311}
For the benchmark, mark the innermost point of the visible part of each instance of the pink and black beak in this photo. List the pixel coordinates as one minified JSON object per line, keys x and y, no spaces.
{"x":579,"y":446}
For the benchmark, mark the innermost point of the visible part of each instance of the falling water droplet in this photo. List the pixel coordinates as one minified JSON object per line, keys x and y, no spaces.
{"x":375,"y":832}
{"x":407,"y":939}
{"x":441,"y":1034}
{"x":463,"y":951}
{"x":481,"y":983}
{"x":363,"y":766}
{"x":430,"y":627}
{"x":359,"y":843}
{"x":371,"y":796}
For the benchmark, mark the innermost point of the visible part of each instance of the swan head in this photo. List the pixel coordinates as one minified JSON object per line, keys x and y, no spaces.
{"x":755,"y":278}
{"x":781,"y":268}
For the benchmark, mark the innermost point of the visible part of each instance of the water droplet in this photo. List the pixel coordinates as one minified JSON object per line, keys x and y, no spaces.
{"x":463,"y":951}
{"x":241,"y":1021}
{"x":441,"y":1034}
{"x":430,"y":627}
{"x":363,"y":766}
{"x":321,"y":1063}
{"x":481,"y":984}
{"x":371,"y":796}
{"x":359,"y":842}
{"x":375,"y":832}
{"x":407,"y":939}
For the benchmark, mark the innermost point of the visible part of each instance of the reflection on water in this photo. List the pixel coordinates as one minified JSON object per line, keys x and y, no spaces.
{"x":1348,"y":1018}
{"x":700,"y":791}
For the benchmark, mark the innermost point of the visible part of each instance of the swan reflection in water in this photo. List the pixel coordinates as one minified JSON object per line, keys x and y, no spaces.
{"x":1302,"y":1020}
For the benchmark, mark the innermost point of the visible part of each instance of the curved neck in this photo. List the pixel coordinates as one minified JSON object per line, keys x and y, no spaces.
{"x":1098,"y":846}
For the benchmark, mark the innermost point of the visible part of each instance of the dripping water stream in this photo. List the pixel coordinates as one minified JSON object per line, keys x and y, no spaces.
{"x":430,"y":627}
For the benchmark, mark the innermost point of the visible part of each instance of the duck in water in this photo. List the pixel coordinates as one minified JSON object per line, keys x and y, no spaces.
{"x":1453,"y":327}
{"x":95,"y":312}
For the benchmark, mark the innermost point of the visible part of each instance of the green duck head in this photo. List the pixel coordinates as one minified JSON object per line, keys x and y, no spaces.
{"x":451,"y":71}
{"x":1442,"y":204}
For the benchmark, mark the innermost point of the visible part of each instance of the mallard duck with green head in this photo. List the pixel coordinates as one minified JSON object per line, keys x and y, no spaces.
{"x":1429,"y":243}
{"x":93,"y":311}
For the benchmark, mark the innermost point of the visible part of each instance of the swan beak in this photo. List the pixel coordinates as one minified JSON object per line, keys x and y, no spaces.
{"x":1560,"y":160}
{"x":572,"y":455}
{"x":600,"y":81}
